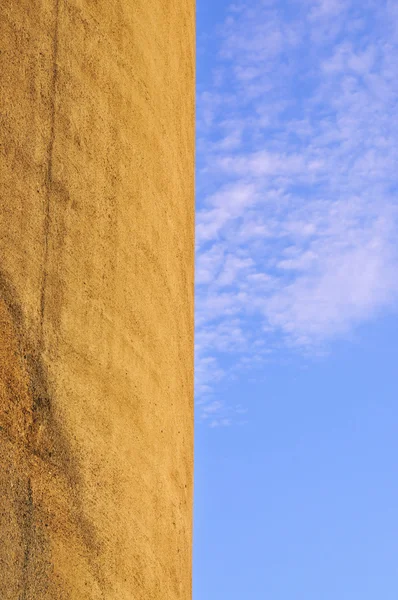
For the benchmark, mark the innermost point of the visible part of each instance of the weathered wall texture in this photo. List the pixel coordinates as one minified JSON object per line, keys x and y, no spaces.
{"x":96,"y":299}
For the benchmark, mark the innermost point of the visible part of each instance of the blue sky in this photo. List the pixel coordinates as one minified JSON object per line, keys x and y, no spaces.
{"x":296,"y":300}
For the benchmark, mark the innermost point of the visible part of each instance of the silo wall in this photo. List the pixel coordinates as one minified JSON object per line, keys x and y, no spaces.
{"x":96,"y":299}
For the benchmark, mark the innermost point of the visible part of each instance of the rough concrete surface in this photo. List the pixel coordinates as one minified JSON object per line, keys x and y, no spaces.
{"x":96,"y":298}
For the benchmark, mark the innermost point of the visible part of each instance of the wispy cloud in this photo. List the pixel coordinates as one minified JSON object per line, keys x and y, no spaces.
{"x":297,"y":181}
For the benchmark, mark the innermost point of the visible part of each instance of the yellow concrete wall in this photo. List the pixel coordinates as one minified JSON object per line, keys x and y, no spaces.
{"x":96,"y":298}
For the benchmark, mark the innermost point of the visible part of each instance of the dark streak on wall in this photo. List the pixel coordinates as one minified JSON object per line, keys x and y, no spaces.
{"x":34,"y":448}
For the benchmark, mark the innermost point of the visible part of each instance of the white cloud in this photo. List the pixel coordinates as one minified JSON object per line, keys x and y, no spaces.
{"x":296,"y":235}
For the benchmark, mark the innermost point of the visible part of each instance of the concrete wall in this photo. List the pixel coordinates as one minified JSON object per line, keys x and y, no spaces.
{"x":96,"y":298}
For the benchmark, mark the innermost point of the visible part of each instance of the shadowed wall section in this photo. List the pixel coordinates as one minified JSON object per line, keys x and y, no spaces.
{"x":96,"y":299}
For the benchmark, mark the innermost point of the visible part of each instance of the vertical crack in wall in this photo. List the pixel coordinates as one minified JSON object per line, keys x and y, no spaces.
{"x":49,"y":171}
{"x":28,"y":516}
